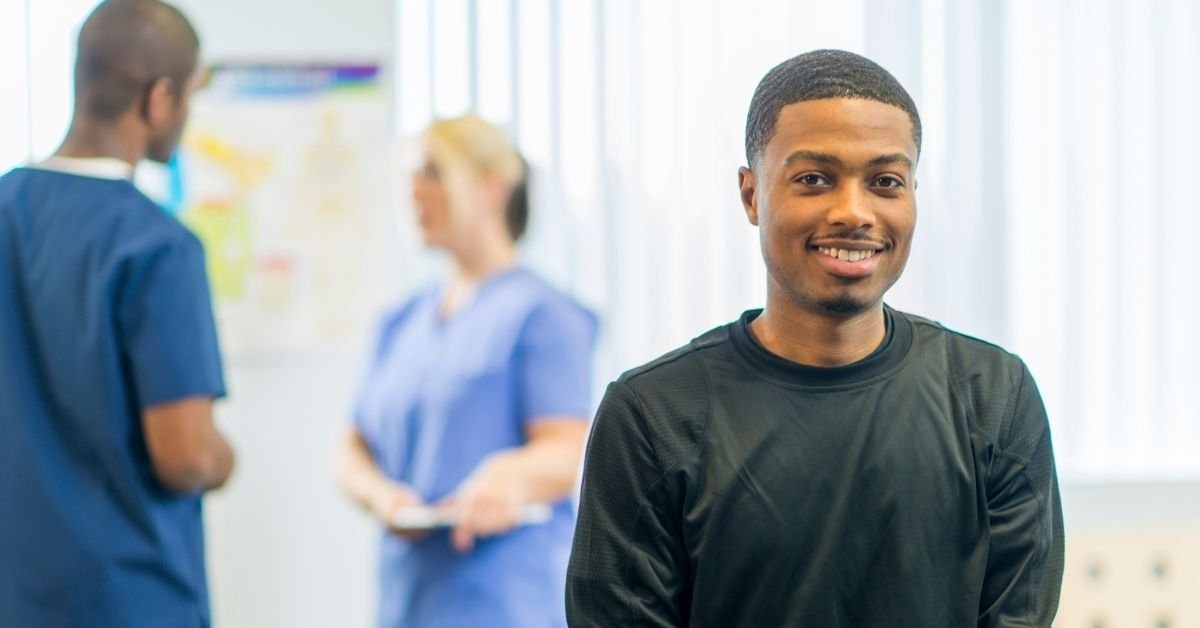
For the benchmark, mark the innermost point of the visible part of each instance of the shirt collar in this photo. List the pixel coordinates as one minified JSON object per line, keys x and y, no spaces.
{"x":95,"y":167}
{"x":890,"y":354}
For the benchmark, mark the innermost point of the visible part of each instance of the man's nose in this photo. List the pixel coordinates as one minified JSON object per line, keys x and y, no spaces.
{"x":851,"y":209}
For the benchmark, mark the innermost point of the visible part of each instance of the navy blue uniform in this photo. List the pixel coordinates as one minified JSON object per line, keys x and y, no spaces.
{"x":104,"y":311}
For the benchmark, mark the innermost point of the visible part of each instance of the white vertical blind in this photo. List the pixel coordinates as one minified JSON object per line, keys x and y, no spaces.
{"x":451,"y":53}
{"x":37,"y":52}
{"x":494,"y":50}
{"x":413,"y":61}
{"x":1102,"y":289}
{"x":14,"y":71}
{"x":1177,"y":266}
{"x":1055,"y":214}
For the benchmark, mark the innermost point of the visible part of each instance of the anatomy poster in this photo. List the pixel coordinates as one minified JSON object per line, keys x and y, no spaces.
{"x":285,"y":177}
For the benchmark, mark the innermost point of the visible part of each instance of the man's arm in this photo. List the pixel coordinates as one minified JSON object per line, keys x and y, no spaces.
{"x":187,"y":453}
{"x":629,"y":566}
{"x":1025,"y":549}
{"x":169,"y":339}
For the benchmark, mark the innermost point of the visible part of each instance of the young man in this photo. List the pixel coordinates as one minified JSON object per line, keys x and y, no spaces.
{"x":827,"y":461}
{"x":108,"y":354}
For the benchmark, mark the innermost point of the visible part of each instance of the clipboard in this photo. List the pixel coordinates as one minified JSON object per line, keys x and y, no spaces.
{"x":428,"y":518}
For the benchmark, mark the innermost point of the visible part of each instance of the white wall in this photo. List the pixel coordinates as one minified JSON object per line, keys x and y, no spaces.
{"x":283,"y":29}
{"x":285,"y":548}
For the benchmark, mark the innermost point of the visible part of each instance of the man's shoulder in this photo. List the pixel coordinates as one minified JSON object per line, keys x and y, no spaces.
{"x":986,"y":376}
{"x":141,"y":228}
{"x":671,"y":395}
{"x":965,"y":348}
{"x":682,"y":362}
{"x":12,"y":180}
{"x":145,"y":216}
{"x":87,"y":213}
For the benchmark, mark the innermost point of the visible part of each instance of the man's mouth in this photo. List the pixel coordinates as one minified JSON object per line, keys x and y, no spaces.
{"x":848,"y":255}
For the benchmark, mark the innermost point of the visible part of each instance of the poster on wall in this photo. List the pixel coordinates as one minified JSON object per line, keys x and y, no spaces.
{"x":284,"y":176}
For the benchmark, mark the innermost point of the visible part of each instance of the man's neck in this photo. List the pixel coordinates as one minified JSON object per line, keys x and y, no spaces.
{"x":818,"y":338}
{"x":90,"y":139}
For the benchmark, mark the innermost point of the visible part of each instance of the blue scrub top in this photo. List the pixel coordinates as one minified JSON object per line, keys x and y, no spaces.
{"x":104,"y":310}
{"x":439,"y":395}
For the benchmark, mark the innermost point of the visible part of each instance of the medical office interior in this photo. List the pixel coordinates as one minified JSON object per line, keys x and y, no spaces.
{"x":1057,"y":218}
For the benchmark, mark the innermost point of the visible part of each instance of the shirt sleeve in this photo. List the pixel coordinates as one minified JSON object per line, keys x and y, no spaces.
{"x":166,"y":323}
{"x":628,"y":565}
{"x":1025,"y":547}
{"x":554,"y":361}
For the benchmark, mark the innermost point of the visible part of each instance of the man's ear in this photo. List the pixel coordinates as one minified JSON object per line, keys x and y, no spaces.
{"x":746,"y":184}
{"x":161,"y":101}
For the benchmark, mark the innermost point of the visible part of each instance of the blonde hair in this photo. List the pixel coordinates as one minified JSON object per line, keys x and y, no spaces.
{"x":483,"y":146}
{"x":468,"y":147}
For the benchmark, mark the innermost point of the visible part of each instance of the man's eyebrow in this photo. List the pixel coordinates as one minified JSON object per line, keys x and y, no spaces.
{"x":889,"y":159}
{"x":833,"y":160}
{"x":812,"y":155}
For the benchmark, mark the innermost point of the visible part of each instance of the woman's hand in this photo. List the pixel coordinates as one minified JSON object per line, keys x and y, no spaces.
{"x":487,"y":503}
{"x":362,"y":479}
{"x":387,"y":499}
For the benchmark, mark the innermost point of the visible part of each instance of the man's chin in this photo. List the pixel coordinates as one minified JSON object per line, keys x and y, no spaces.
{"x":844,"y":305}
{"x":158,"y":157}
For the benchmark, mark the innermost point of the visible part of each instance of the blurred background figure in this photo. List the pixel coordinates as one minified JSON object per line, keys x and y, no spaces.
{"x":475,"y":401}
{"x":108,"y":351}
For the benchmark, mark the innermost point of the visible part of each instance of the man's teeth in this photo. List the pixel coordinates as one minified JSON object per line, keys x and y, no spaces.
{"x":847,"y":255}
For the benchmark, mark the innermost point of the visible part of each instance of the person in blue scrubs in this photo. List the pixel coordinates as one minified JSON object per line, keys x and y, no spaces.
{"x":475,"y":401}
{"x":108,"y":353}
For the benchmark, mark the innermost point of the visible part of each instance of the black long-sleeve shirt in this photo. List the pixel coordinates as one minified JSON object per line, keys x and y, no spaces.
{"x":726,"y":486}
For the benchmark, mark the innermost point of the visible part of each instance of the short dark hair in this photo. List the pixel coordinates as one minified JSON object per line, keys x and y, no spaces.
{"x":818,"y":75}
{"x":124,"y":46}
{"x":516,"y":213}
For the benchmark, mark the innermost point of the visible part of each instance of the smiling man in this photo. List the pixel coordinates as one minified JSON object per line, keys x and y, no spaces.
{"x":826,"y":461}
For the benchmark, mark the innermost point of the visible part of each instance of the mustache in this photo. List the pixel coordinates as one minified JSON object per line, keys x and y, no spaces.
{"x":855,"y":235}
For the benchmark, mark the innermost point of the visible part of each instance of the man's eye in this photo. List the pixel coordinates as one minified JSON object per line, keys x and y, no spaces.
{"x":811,"y":179}
{"x":889,"y":182}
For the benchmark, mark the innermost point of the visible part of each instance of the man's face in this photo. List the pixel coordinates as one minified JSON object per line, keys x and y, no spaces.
{"x":833,"y":197}
{"x":169,"y":108}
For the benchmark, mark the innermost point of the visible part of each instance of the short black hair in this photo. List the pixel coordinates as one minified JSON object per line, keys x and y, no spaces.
{"x":818,"y":75}
{"x":126,"y":45}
